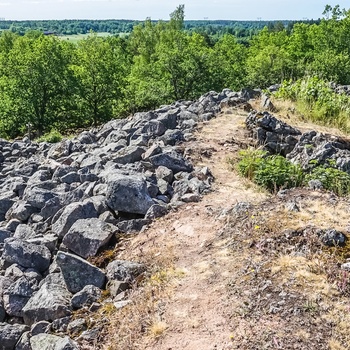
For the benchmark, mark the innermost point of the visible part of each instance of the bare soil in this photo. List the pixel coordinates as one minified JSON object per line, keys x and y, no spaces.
{"x":227,"y":279}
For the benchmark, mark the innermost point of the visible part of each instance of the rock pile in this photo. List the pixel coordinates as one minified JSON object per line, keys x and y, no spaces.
{"x":60,"y":204}
{"x":309,"y":149}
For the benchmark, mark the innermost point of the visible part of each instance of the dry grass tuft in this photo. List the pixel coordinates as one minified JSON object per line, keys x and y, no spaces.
{"x":157,"y":329}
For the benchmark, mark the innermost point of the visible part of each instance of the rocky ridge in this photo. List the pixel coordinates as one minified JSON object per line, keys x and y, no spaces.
{"x":63,"y":203}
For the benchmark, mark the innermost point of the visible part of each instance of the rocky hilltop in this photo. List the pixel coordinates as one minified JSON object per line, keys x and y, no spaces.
{"x":61,"y":204}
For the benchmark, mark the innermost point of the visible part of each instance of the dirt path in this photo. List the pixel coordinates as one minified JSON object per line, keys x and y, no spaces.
{"x":195,"y":316}
{"x":249,"y":280}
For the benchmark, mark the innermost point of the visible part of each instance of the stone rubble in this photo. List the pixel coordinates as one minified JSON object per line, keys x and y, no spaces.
{"x":63,"y":203}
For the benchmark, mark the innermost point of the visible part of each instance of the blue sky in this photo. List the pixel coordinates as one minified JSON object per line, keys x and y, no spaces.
{"x":160,"y":9}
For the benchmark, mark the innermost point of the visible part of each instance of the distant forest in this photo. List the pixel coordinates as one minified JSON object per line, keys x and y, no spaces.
{"x":56,"y":84}
{"x":212,"y":28}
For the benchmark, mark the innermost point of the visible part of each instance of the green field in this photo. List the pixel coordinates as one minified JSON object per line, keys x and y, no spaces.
{"x":74,"y":38}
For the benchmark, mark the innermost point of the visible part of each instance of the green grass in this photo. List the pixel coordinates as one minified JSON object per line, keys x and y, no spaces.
{"x":74,"y":38}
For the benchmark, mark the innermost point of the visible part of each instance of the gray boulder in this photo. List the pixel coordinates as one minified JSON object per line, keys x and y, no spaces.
{"x":52,"y":342}
{"x":276,"y":136}
{"x":78,"y":273}
{"x":128,"y":194}
{"x":172,"y":161}
{"x":10,"y":334}
{"x":6,"y":202}
{"x":22,"y":211}
{"x":133,"y":225}
{"x":18,"y":294}
{"x":123,"y":270}
{"x":71,"y":214}
{"x":87,"y":236}
{"x":51,"y":302}
{"x":26,"y":254}
{"x":37,"y":197}
{"x":88,"y":295}
{"x":24,"y":342}
{"x":130,"y":154}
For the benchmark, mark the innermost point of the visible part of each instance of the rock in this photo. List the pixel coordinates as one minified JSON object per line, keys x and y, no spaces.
{"x":37,"y":197}
{"x":78,"y":273}
{"x":130,"y":154}
{"x":156,"y":211}
{"x":61,"y":324}
{"x":24,"y":232}
{"x":332,"y":237}
{"x":133,"y":225}
{"x":190,"y":197}
{"x":4,"y":234}
{"x":88,"y":295}
{"x":117,"y":287}
{"x":123,"y":270}
{"x":172,"y":161}
{"x":267,"y":104}
{"x":2,"y":311}
{"x":165,"y":174}
{"x":276,"y":136}
{"x":76,"y":327}
{"x":71,"y":214}
{"x":17,"y":295}
{"x":87,"y":236}
{"x":6,"y":202}
{"x":24,"y":342}
{"x":51,"y":302}
{"x":315,"y":184}
{"x":22,"y":211}
{"x":26,"y":254}
{"x":40,"y":327}
{"x":10,"y":335}
{"x":315,"y":149}
{"x":128,"y":194}
{"x":52,"y":342}
{"x":172,"y":137}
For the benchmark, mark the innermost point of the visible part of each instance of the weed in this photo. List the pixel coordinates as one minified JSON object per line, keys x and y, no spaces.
{"x":52,"y":137}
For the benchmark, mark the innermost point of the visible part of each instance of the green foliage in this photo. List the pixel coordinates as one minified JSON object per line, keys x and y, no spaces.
{"x":52,"y":83}
{"x":276,"y":172}
{"x":52,"y":137}
{"x":99,"y":66}
{"x":270,"y":172}
{"x":332,"y":179}
{"x":317,"y":101}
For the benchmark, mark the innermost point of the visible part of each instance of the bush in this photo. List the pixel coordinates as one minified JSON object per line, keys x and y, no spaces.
{"x":270,"y":172}
{"x":317,"y":101}
{"x":332,"y":179}
{"x":52,"y":137}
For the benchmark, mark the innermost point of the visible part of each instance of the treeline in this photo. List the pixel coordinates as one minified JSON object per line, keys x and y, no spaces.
{"x":54,"y":84}
{"x":214,"y":28}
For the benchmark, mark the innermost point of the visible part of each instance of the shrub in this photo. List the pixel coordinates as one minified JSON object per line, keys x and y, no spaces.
{"x":332,"y":179}
{"x":317,"y":101}
{"x":270,"y":172}
{"x":52,"y":137}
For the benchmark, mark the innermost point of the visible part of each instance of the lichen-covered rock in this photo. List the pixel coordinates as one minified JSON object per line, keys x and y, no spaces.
{"x":51,"y":302}
{"x":78,"y":273}
{"x":128,"y":194}
{"x":88,"y":295}
{"x":26,"y":254}
{"x":87,"y":236}
{"x":52,"y":342}
{"x":10,"y":334}
{"x":123,"y":270}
